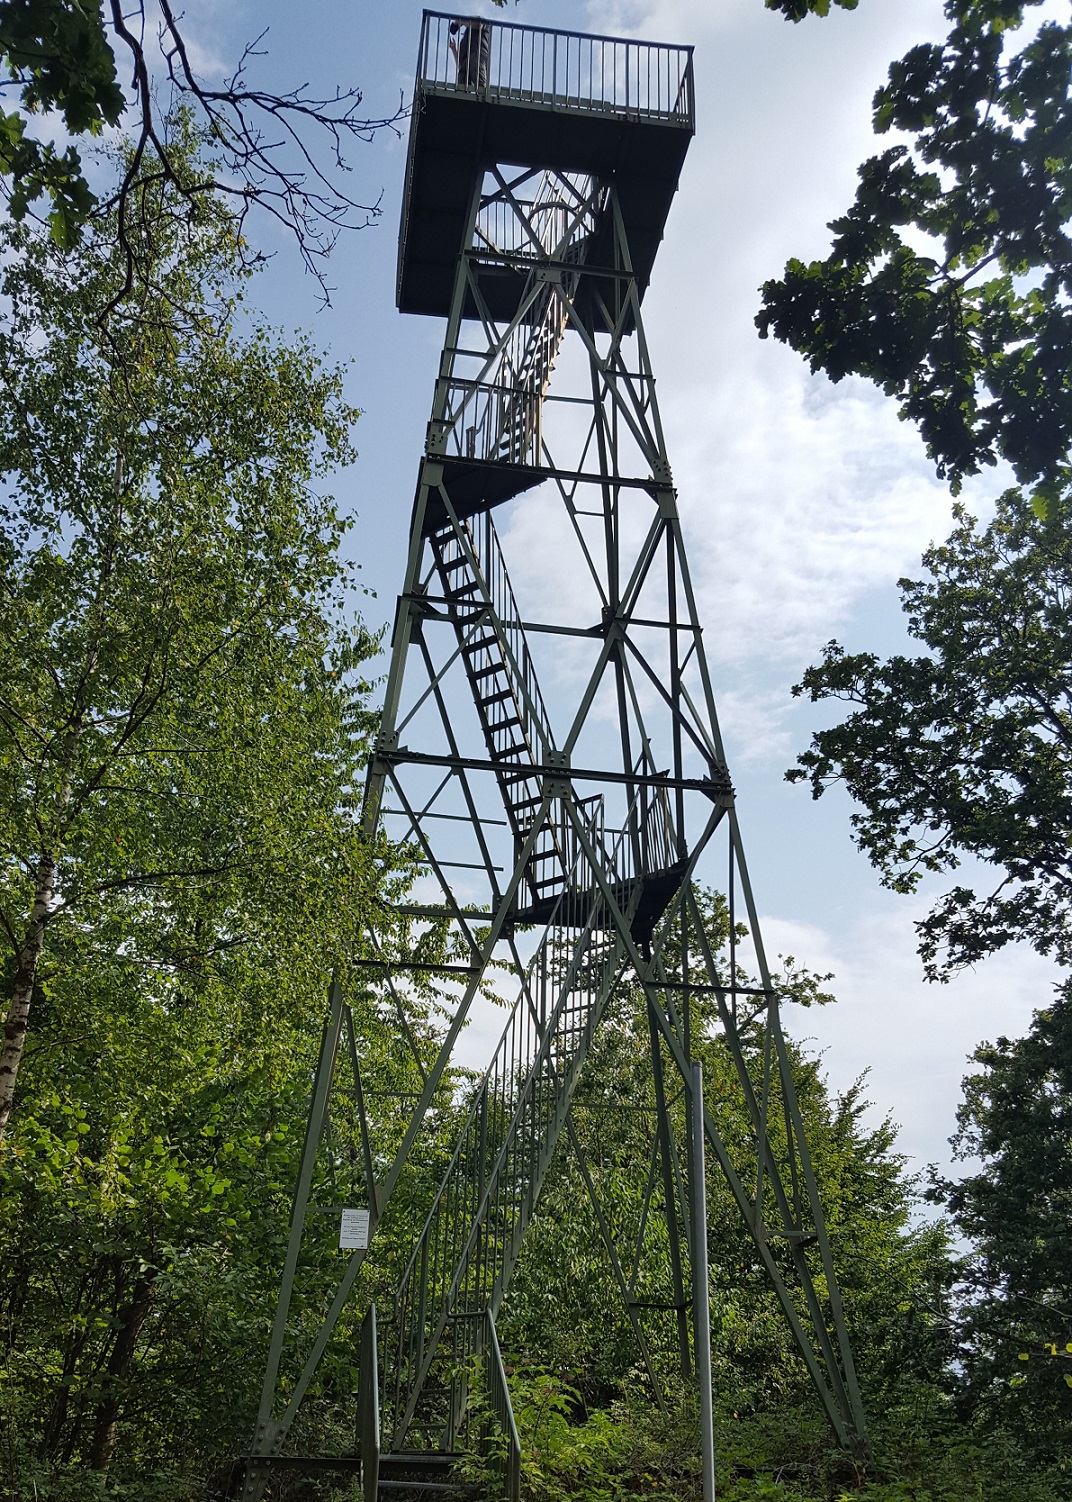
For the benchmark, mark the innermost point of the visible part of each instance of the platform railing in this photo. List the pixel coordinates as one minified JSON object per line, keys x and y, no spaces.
{"x":504,"y":61}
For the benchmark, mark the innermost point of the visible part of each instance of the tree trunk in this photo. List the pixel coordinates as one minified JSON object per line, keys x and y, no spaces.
{"x":53,"y":1441}
{"x":131,"y":1319}
{"x":19,"y":1011}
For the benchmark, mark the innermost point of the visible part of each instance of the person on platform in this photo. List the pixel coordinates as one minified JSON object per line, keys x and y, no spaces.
{"x":472,"y":52}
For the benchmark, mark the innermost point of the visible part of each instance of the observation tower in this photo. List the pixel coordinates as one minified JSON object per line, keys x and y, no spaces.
{"x":549,"y":749}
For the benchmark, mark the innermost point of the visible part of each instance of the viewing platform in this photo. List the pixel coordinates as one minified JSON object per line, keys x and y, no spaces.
{"x":493,"y":93}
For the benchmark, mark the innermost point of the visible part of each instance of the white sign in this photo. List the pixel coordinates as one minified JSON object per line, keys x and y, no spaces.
{"x":353,"y":1230}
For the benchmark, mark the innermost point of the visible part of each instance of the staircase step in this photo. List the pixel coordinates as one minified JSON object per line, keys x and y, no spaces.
{"x":419,"y":1459}
{"x":420,"y":1471}
{"x":544,"y":855}
{"x":497,"y":670}
{"x":456,"y":1488}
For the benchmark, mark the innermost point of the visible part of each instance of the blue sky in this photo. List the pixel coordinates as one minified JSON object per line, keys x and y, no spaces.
{"x":802,"y":502}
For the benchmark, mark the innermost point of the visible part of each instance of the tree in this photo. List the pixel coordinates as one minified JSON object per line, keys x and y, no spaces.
{"x":181,"y":704}
{"x":145,"y":1191}
{"x":966,"y":750}
{"x":182,"y":724}
{"x":1016,"y":1331}
{"x":796,"y":10}
{"x":565,"y":1314}
{"x":948,"y":280}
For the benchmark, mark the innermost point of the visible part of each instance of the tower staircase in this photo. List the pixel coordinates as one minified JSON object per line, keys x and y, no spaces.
{"x":517,"y":732}
{"x":461,"y":1264}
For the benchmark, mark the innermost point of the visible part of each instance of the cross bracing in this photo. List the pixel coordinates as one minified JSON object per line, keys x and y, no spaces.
{"x":549,"y":748}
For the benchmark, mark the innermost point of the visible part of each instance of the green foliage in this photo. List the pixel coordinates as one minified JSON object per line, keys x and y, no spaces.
{"x":144,"y":1209}
{"x":1016,"y":1334}
{"x":964,"y":751}
{"x":629,"y":1450}
{"x":948,"y":280}
{"x":59,"y":55}
{"x":181,"y":724}
{"x":177,"y":676}
{"x":565,"y":1309}
{"x":796,"y":10}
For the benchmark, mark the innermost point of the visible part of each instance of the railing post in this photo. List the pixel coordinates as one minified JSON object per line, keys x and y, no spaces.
{"x":701,"y":1288}
{"x":368,"y":1407}
{"x":499,"y":1398}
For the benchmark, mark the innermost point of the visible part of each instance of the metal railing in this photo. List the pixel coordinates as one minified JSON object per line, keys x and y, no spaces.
{"x":494,"y":421}
{"x":535,"y":64}
{"x":465,"y":1254}
{"x":509,"y":1456}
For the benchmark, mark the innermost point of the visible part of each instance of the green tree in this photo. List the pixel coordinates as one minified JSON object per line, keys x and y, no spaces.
{"x":59,"y":57}
{"x":796,"y":10}
{"x":179,"y":708}
{"x":948,"y":279}
{"x":282,"y":151}
{"x":965,"y":751}
{"x":145,"y":1190}
{"x":182,"y":726}
{"x":565,"y":1313}
{"x":1016,"y":1333}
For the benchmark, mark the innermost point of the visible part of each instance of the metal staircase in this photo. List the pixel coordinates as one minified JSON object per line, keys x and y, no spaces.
{"x":411,"y":1475}
{"x":520,"y":743}
{"x":497,"y":418}
{"x":461,"y":1264}
{"x":529,"y":356}
{"x":509,"y":704}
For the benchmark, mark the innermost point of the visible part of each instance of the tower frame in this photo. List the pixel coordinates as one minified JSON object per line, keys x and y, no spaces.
{"x":539,"y":175}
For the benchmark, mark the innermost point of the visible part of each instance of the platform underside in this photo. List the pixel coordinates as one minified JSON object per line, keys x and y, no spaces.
{"x":476,"y":485}
{"x":657,"y":891}
{"x":456,"y":135}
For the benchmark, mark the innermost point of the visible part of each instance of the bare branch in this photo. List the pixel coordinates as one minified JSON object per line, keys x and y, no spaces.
{"x":283,"y":153}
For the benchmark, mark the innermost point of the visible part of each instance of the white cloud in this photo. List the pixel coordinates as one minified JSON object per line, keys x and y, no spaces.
{"x":795,"y":503}
{"x":912,"y":1038}
{"x":208,"y":33}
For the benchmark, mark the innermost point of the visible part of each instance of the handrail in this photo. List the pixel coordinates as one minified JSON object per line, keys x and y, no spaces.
{"x":555,"y":31}
{"x":546,"y":66}
{"x":368,"y":1406}
{"x":502,"y":1408}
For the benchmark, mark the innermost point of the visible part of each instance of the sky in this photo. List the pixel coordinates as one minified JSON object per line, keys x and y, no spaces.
{"x":802,"y":502}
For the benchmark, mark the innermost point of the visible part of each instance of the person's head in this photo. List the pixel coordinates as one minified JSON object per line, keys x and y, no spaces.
{"x":454,"y":28}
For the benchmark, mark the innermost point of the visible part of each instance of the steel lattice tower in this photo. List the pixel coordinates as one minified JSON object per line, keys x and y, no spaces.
{"x":557,"y":762}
